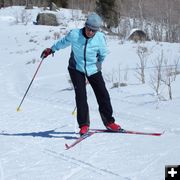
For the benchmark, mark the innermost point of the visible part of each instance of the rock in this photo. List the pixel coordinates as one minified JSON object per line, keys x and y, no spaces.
{"x":48,"y":19}
{"x":138,"y":35}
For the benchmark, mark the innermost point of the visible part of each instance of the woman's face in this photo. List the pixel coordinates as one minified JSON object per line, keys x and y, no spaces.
{"x":90,"y":32}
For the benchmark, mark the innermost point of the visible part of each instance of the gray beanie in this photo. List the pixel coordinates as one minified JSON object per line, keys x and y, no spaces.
{"x":93,"y":21}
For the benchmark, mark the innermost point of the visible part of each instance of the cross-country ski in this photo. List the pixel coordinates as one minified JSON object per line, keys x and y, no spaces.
{"x":79,"y":139}
{"x":128,"y":132}
{"x":122,"y":131}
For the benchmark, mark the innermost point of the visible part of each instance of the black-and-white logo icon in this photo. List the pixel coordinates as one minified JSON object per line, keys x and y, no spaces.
{"x":172,"y":172}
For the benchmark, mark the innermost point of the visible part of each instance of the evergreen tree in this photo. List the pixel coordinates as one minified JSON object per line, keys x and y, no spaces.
{"x":61,"y":3}
{"x":107,"y":10}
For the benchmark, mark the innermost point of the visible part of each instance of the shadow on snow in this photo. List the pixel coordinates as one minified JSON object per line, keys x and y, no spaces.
{"x":44,"y":134}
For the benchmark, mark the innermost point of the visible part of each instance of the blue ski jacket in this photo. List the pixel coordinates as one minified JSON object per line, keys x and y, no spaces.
{"x":87,"y":54}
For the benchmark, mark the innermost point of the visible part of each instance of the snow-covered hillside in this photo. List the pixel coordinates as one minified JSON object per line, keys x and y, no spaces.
{"x":32,"y":140}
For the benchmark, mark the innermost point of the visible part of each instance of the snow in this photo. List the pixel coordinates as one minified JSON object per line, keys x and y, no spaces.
{"x":33,"y":140}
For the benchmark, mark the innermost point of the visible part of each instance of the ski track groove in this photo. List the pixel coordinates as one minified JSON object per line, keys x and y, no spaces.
{"x":151,"y":164}
{"x":80,"y":163}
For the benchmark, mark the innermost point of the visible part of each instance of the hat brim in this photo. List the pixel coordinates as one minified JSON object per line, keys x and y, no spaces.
{"x":92,"y":27}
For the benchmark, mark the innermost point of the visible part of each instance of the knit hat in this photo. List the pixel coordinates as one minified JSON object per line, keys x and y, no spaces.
{"x":93,"y":21}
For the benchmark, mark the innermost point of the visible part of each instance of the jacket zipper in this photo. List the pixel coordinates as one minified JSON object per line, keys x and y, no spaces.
{"x":85,"y":56}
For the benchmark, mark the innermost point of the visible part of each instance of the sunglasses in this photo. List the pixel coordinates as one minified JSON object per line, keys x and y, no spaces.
{"x":90,"y":30}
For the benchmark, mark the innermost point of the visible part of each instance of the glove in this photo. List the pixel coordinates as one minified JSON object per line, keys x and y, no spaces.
{"x":47,"y":52}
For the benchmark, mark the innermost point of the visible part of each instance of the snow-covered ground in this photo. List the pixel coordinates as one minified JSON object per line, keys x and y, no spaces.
{"x":32,"y":140}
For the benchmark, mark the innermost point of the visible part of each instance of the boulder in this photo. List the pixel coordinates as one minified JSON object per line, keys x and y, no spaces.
{"x":48,"y":19}
{"x":138,"y":35}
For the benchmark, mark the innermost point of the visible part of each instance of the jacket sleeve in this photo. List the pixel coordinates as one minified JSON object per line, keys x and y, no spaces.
{"x":62,"y":43}
{"x":103,"y":51}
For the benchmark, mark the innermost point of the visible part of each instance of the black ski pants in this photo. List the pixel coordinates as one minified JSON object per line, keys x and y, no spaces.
{"x":97,"y":83}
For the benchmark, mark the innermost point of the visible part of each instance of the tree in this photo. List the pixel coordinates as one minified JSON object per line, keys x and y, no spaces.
{"x":169,"y":75}
{"x":29,"y":4}
{"x":107,"y":10}
{"x":156,"y":75}
{"x":60,"y":3}
{"x":142,"y":53}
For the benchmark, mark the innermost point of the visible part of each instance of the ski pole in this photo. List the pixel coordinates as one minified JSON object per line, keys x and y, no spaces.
{"x":74,"y":111}
{"x":18,"y":108}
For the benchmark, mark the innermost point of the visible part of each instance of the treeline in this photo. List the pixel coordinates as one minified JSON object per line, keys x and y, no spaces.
{"x":158,"y":18}
{"x":157,"y":10}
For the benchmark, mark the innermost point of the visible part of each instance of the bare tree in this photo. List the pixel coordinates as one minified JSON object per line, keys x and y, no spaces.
{"x":163,"y":73}
{"x":155,"y":76}
{"x":169,"y":75}
{"x":142,"y":53}
{"x":92,"y":4}
{"x":140,"y":4}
